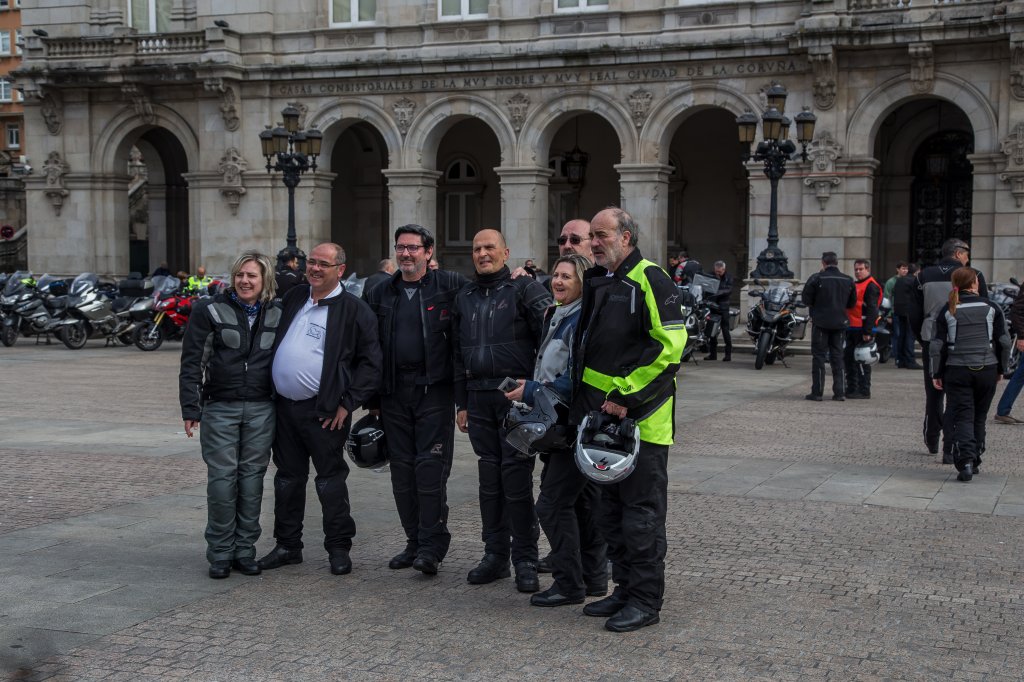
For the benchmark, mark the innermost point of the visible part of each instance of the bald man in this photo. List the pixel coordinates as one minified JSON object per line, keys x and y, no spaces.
{"x":499,"y":326}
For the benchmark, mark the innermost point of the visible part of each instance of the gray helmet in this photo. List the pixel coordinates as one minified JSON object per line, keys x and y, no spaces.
{"x":607,"y":447}
{"x":540,"y":428}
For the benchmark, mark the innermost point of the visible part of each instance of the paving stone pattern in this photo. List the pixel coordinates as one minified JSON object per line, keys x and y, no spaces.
{"x":806,"y":541}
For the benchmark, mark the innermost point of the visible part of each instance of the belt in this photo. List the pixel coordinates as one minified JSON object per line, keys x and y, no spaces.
{"x":289,"y":401}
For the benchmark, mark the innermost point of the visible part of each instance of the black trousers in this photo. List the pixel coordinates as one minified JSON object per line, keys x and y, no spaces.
{"x":827,"y":347}
{"x":969,"y":393}
{"x":300,"y":438}
{"x":935,"y":419}
{"x":858,"y":375}
{"x":566,"y":507}
{"x":634,"y":513}
{"x":419,"y":422}
{"x":506,"y":481}
{"x":723,"y":327}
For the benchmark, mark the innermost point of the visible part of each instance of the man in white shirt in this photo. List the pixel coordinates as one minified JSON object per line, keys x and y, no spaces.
{"x":327,"y":363}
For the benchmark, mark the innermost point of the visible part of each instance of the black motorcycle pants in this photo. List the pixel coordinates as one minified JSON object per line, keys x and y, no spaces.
{"x":827,"y":347}
{"x":419,"y":423}
{"x":936,"y":421}
{"x":299,"y":438}
{"x":506,"y":481}
{"x":969,"y":393}
{"x":858,"y":374}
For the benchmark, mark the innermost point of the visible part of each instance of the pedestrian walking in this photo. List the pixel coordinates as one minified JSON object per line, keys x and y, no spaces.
{"x":626,"y":352}
{"x":1016,"y":382}
{"x":968,"y":353}
{"x":828,"y":293}
{"x":225,"y":385}
{"x":419,"y":393}
{"x":862,"y":315}
{"x":327,"y":363}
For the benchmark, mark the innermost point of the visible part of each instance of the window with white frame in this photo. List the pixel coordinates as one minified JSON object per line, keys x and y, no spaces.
{"x":13,"y":136}
{"x":5,"y":42}
{"x":19,"y":40}
{"x":150,"y":16}
{"x":5,"y":90}
{"x":462,"y":9}
{"x":576,"y":5}
{"x":347,"y":12}
{"x":462,"y":197}
{"x":4,"y":4}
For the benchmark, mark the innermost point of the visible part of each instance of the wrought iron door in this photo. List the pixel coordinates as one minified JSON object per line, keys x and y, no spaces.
{"x":941,"y":194}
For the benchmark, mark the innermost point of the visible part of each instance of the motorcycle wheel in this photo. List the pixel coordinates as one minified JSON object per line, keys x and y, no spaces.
{"x":74,"y":336}
{"x":126,"y":339}
{"x":761,"y":353}
{"x":770,"y":359}
{"x":148,"y":337}
{"x":9,"y":335}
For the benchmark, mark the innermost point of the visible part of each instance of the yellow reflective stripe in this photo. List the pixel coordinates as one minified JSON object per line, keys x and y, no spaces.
{"x":657,"y":428}
{"x":601,"y":382}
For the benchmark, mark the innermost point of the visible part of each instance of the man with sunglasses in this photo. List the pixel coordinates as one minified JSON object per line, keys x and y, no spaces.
{"x":575,"y":238}
{"x":327,"y":362}
{"x":419,"y":394}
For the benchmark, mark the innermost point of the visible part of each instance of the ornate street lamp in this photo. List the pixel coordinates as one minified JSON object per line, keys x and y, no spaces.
{"x":291,"y":152}
{"x":774,"y":150}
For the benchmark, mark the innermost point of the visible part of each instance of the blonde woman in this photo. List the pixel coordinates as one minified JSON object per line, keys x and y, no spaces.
{"x":225,"y":384}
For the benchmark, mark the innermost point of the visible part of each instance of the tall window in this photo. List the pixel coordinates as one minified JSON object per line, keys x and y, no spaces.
{"x":13,"y":136}
{"x":5,"y":90}
{"x":462,"y":9}
{"x":462,"y":196}
{"x":150,"y":16}
{"x":5,"y":42}
{"x":5,"y":4}
{"x":353,"y":11}
{"x":571,"y":5}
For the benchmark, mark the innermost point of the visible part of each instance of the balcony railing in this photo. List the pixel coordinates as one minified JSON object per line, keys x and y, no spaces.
{"x":141,"y":45}
{"x":860,"y":5}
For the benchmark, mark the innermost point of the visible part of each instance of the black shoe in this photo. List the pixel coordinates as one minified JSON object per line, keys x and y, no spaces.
{"x":912,"y":365}
{"x":813,"y":396}
{"x":551,"y":597}
{"x":526,"y":577}
{"x":608,"y":606}
{"x":490,"y":568}
{"x":857,"y":396}
{"x":839,"y":398}
{"x":404,"y":559}
{"x":220,"y":569}
{"x":544,"y":565}
{"x":630,"y":618}
{"x":246,"y":566}
{"x":932,"y":443}
{"x":341,"y":564}
{"x":711,"y":356}
{"x":597,"y":589}
{"x":967,"y":473}
{"x":426,"y":564}
{"x":727,"y":357}
{"x":947,"y":458}
{"x":280,"y":556}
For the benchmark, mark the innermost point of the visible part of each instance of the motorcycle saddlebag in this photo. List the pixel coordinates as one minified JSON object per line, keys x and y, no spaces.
{"x":800,"y":328}
{"x":135,"y":288}
{"x":734,"y":318}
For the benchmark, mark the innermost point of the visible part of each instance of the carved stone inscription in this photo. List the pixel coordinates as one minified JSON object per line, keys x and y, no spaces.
{"x":613,"y":75}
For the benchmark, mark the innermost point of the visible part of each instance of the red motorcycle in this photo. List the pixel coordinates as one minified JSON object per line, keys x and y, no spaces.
{"x":170,"y":311}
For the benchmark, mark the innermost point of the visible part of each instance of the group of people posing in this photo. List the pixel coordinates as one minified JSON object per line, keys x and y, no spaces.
{"x":430,"y":351}
{"x":963,"y":336}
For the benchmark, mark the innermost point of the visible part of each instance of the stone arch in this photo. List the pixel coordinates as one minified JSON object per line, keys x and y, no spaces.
{"x":117,"y":137}
{"x":666,"y":117}
{"x":430,"y":125}
{"x":541,"y":125}
{"x":337,"y":116}
{"x":872,"y":111}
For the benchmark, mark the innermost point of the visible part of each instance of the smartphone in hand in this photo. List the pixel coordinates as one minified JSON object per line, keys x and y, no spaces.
{"x":508,"y":384}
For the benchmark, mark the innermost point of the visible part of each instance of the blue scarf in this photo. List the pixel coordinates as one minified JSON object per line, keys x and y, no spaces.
{"x":250,"y":310}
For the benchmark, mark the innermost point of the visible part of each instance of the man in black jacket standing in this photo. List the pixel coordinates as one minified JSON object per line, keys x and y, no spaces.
{"x":828,"y":294}
{"x":327,"y":362}
{"x":500,"y":326}
{"x":931,"y":293}
{"x":419,"y":393}
{"x":902,"y":336}
{"x":719,"y":303}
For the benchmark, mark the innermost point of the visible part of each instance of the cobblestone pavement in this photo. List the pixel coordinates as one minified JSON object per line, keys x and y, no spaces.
{"x":806,"y":541}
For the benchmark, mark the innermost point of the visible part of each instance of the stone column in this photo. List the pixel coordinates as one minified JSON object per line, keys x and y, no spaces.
{"x":524,"y":213}
{"x":643,"y":189}
{"x":412,"y":198}
{"x":995,"y":250}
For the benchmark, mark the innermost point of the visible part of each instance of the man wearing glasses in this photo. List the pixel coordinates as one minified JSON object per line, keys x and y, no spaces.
{"x":327,"y":362}
{"x":419,"y":393}
{"x":930,"y":294}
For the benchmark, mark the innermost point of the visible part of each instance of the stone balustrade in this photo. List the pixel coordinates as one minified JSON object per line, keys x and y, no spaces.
{"x":863,"y":5}
{"x":164,"y":44}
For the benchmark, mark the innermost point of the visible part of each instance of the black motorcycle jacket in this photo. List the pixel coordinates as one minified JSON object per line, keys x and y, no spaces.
{"x":931,"y":293}
{"x":438,"y":289}
{"x":1017,"y":315}
{"x":500,"y":324}
{"x":222,"y":358}
{"x":720,"y":299}
{"x":974,"y":336}
{"x":828,"y":294}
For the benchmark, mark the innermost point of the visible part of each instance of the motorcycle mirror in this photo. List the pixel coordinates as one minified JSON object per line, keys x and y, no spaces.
{"x":753,"y":293}
{"x":1013,"y":280}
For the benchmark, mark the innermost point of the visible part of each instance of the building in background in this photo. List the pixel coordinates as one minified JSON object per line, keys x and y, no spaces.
{"x":462,"y":114}
{"x":13,"y":252}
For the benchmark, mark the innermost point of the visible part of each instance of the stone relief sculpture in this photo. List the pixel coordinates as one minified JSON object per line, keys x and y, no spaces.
{"x":823,"y":151}
{"x":518,"y":105}
{"x":139,"y":99}
{"x":50,"y":110}
{"x":1013,"y":147}
{"x":231,"y":167}
{"x":922,"y":67}
{"x":54,"y":170}
{"x":1017,"y":69}
{"x":404,"y":109}
{"x":824,"y":85}
{"x":228,"y":102}
{"x":639,"y":106}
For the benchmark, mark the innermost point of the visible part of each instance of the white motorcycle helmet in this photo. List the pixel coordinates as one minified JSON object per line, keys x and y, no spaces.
{"x":866,"y":353}
{"x":607,"y":448}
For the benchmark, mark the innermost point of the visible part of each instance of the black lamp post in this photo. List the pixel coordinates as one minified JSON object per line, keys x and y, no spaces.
{"x":774,"y":150}
{"x":292,"y":152}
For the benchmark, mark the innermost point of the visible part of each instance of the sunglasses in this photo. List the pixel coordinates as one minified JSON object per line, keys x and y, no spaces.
{"x":574,"y":239}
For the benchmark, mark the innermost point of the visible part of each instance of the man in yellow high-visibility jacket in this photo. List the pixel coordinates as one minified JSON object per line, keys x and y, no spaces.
{"x":199,"y":282}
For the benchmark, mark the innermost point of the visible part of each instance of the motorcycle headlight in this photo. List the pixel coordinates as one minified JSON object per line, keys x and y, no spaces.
{"x":164,"y":305}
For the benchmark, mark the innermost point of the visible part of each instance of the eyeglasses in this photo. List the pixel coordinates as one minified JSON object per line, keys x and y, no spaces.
{"x":573,"y":239}
{"x":322,"y":264}
{"x":408,"y":248}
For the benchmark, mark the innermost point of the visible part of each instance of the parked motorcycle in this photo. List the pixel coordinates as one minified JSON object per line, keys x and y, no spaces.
{"x":103,"y":317}
{"x":1003,"y":295}
{"x":774,"y":322}
{"x":883,"y":331}
{"x":32,"y":308}
{"x":167,"y":318}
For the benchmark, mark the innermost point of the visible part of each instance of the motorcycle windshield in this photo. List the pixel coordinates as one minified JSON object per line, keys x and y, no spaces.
{"x":776,"y":297}
{"x":84,"y":283}
{"x":164,"y":286}
{"x":14,"y":282}
{"x":44,"y":282}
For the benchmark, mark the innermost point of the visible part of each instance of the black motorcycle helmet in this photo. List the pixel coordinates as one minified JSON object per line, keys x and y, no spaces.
{"x":541,"y":428}
{"x":366,"y":444}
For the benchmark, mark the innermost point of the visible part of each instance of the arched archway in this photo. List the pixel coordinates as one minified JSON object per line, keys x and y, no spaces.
{"x":359,"y":199}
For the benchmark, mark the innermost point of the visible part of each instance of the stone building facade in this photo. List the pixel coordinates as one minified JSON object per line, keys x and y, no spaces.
{"x":459,"y":114}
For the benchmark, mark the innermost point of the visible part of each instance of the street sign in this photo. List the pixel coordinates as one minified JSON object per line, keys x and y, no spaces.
{"x":7,"y":232}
